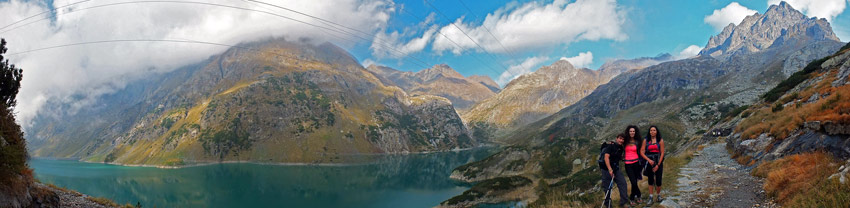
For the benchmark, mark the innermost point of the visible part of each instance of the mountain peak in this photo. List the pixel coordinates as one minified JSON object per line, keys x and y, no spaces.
{"x":779,"y":25}
{"x":437,"y":71}
{"x":556,"y":68}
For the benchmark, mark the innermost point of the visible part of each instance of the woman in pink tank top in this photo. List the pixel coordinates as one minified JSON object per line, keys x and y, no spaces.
{"x":654,"y":156}
{"x":633,"y":167}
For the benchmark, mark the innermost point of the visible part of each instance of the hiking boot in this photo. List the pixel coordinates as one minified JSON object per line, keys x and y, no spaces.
{"x":649,"y":202}
{"x":659,"y":199}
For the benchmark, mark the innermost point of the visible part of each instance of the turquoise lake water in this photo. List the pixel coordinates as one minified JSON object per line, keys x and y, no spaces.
{"x":417,"y":180}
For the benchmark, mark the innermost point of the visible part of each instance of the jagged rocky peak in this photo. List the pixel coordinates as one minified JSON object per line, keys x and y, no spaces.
{"x":781,"y":24}
{"x":437,"y":71}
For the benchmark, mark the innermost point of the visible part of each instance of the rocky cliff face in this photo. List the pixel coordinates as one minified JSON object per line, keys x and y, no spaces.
{"x":439,"y":80}
{"x":536,"y":95}
{"x":284,"y":102}
{"x":779,"y":25}
{"x":681,"y":97}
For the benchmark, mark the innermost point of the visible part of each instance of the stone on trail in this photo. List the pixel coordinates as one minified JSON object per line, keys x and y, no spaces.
{"x":667,"y":203}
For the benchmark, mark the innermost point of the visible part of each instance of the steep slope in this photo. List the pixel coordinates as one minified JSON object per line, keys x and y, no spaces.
{"x":813,"y":103}
{"x":682,"y":97}
{"x":439,"y":80}
{"x":536,"y":95}
{"x":279,"y":102}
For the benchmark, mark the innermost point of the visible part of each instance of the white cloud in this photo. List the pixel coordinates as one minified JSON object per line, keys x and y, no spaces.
{"x":581,"y":60}
{"x":537,"y":25}
{"x":688,"y":52}
{"x":76,"y":75}
{"x":518,"y":70}
{"x":732,"y":13}
{"x":367,"y":62}
{"x":389,"y":45}
{"x":827,"y":9}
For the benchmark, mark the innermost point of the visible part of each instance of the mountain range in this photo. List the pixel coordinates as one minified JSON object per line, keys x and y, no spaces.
{"x":543,"y":92}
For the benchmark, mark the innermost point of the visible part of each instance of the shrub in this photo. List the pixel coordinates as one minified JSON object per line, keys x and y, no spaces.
{"x":738,"y":111}
{"x":556,"y":166}
{"x":777,"y":107}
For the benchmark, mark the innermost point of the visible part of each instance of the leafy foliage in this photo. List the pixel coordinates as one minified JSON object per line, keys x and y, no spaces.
{"x":222,"y":143}
{"x":10,"y":78}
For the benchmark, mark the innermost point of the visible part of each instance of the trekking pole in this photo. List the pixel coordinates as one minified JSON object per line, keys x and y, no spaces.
{"x":605,"y":197}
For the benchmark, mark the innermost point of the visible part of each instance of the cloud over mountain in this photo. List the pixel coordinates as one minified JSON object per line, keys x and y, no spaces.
{"x":732,"y":13}
{"x":826,"y":9}
{"x":78,"y":74}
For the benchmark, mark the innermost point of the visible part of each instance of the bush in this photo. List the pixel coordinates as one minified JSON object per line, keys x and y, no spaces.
{"x":777,"y":107}
{"x":556,"y":166}
{"x":13,"y":150}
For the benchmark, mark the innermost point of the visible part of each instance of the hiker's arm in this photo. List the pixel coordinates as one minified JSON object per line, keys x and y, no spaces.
{"x":661,"y":158}
{"x":608,"y":164}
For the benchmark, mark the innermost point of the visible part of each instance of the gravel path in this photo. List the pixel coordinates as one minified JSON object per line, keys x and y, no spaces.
{"x":713,"y":179}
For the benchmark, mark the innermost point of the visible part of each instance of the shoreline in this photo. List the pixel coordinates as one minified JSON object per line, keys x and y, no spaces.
{"x":207,"y":163}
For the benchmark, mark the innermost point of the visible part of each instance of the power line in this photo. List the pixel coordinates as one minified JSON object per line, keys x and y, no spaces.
{"x":57,"y":8}
{"x":135,"y":40}
{"x":452,"y":41}
{"x":423,"y":64}
{"x":464,"y":32}
{"x":336,"y":25}
{"x":510,"y":52}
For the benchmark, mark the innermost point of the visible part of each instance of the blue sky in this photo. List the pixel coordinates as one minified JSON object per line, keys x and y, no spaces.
{"x":651,"y":27}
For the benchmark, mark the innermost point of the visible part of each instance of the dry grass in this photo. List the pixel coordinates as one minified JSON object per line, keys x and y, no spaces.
{"x":780,"y":124}
{"x":801,"y":181}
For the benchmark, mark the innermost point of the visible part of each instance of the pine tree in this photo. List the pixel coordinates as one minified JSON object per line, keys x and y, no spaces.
{"x":10,"y":79}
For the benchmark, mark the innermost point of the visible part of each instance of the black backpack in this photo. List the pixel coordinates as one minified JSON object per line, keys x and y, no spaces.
{"x":601,"y":159}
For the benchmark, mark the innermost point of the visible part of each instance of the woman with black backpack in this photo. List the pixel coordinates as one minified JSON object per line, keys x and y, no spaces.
{"x":653,"y":153}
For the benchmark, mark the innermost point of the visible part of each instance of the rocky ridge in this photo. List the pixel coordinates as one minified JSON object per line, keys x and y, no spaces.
{"x":439,"y":80}
{"x":779,"y":25}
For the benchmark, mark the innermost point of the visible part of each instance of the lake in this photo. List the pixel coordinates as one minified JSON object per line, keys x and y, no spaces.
{"x":414,"y":180}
